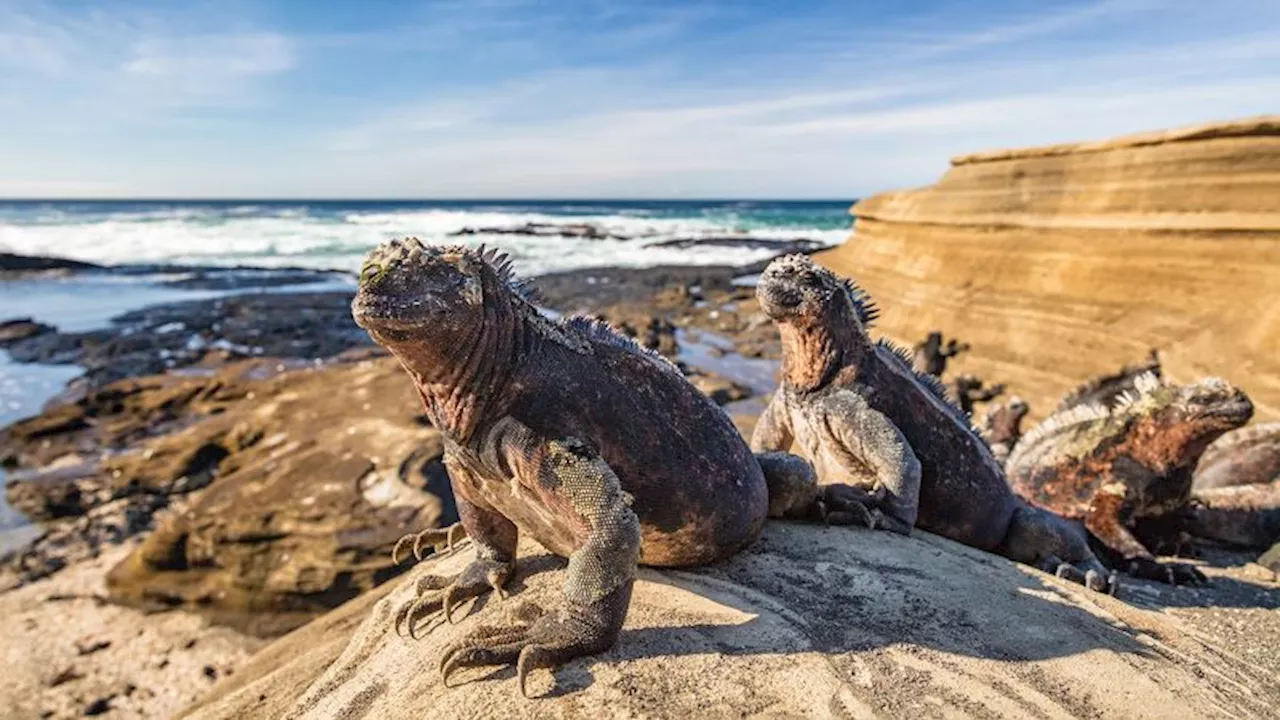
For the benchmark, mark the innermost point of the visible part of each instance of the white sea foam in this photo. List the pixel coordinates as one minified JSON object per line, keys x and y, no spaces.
{"x":297,"y":236}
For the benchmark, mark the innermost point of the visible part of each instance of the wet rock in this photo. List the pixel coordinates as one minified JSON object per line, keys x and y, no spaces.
{"x":304,"y":326}
{"x":743,"y":242}
{"x":305,"y":517}
{"x":12,"y":331}
{"x":273,"y":497}
{"x":536,"y":229}
{"x":12,"y":265}
{"x":721,"y":390}
{"x":241,"y":278}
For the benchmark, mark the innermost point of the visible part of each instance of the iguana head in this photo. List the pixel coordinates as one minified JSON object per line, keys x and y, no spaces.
{"x":822,"y":319}
{"x":410,"y":292}
{"x":796,"y":290}
{"x":1177,"y":422}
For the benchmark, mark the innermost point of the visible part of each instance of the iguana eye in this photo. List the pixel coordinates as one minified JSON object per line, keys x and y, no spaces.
{"x":371,"y":272}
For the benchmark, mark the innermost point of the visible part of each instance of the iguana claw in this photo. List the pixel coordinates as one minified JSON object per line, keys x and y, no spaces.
{"x":433,"y":593}
{"x":1171,"y":573}
{"x":449,"y":536}
{"x":548,"y":642}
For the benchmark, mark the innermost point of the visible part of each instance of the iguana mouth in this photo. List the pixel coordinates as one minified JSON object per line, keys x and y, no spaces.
{"x":373,"y":311}
{"x":1230,"y":412}
{"x":778,"y":300}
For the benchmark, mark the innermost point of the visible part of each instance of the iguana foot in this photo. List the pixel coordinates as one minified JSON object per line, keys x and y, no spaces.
{"x":546,"y":642}
{"x":852,"y":505}
{"x":433,"y":593}
{"x":447,"y":536}
{"x":1171,"y":573}
{"x":1091,"y":578}
{"x":847,"y":505}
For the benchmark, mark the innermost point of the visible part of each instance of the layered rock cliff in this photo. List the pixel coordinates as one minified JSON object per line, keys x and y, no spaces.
{"x":1058,"y":263}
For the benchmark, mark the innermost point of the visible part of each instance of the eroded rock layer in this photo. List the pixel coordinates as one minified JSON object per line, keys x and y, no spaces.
{"x":1064,"y":262}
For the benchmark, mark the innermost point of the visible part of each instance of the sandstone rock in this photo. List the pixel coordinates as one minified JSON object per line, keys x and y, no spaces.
{"x":1271,"y":559}
{"x":1062,"y":263}
{"x":809,"y":622}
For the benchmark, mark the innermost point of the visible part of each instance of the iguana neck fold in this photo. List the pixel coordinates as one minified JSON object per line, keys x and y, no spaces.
{"x":815,"y":352}
{"x":464,"y":381}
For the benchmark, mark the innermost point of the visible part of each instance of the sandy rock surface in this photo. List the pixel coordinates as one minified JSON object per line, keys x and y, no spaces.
{"x":67,"y":653}
{"x":810,"y":622}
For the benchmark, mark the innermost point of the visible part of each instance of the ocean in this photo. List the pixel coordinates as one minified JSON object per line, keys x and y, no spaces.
{"x":540,"y":237}
{"x":336,"y":234}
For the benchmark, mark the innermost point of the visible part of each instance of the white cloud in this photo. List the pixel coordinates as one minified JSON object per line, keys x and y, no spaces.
{"x":94,"y":63}
{"x":696,"y":105}
{"x":205,"y":56}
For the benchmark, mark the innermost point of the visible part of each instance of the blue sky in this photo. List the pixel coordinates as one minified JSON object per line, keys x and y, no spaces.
{"x":503,"y":98}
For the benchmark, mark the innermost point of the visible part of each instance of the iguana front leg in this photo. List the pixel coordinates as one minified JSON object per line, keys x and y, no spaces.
{"x":773,"y":430}
{"x":572,"y":481}
{"x":794,"y":491}
{"x":1106,"y":520}
{"x":495,"y":538}
{"x":862,"y":435}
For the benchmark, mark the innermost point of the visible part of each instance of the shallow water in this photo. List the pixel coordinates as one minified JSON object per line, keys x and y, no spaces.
{"x":81,"y":303}
{"x":715,"y":354}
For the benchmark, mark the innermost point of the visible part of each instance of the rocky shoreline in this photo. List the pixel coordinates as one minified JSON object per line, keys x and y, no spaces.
{"x":250,"y":459}
{"x":203,"y":461}
{"x":172,"y":398}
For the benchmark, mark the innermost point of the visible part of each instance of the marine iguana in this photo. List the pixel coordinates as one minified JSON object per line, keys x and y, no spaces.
{"x":1002,"y":427}
{"x":1248,"y":456}
{"x":1113,"y":467}
{"x":968,"y":390}
{"x":861,"y":414}
{"x":1246,"y":516}
{"x":1105,"y":389}
{"x":931,"y":355}
{"x":568,"y":432}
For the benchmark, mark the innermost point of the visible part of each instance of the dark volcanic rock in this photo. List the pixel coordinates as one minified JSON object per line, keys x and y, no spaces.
{"x":743,"y":242}
{"x":17,"y":264}
{"x":240,"y":278}
{"x":535,"y":229}
{"x":176,"y":335}
{"x":12,"y":331}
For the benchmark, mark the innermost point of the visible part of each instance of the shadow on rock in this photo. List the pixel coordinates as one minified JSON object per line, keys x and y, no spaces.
{"x":809,"y":621}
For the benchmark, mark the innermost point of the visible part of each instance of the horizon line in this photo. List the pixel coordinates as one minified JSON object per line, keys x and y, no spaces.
{"x":421,"y":200}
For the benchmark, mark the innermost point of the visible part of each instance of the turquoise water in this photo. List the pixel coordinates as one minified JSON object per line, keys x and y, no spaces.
{"x":336,"y":234}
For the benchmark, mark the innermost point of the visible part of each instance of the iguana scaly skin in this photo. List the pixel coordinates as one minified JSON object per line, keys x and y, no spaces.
{"x":861,"y":414}
{"x":1113,"y":467}
{"x":1002,"y":427}
{"x":567,"y":432}
{"x":1248,"y":456}
{"x":1246,"y":516}
{"x":1105,"y":390}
